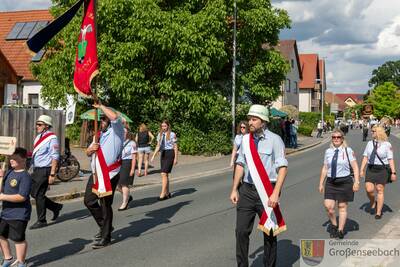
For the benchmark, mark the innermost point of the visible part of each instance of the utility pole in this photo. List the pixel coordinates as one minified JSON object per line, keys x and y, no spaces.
{"x":234,"y":69}
{"x":323,"y":88}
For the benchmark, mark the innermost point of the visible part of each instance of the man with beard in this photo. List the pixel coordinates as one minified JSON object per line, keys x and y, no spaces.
{"x":105,"y":164}
{"x":263,"y":166}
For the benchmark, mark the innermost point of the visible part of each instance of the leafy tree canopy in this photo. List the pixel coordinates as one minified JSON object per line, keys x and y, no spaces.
{"x":171,"y":59}
{"x":388,"y":72}
{"x":386,"y":100}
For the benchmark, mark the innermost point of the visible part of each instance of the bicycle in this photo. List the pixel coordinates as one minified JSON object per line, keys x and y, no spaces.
{"x":69,"y":166}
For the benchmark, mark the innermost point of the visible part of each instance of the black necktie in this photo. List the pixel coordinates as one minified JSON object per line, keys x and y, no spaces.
{"x":162,"y":146}
{"x":373,"y":154}
{"x":334,"y":163}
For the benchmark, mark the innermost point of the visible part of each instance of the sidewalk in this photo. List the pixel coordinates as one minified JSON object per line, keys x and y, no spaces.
{"x":188,"y":167}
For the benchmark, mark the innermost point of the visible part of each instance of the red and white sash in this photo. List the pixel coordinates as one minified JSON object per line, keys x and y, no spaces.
{"x":271,"y":218}
{"x":45,"y":139}
{"x":102,"y":185}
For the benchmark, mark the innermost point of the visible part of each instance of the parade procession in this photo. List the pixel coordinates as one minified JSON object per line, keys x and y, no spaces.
{"x":199,"y":133}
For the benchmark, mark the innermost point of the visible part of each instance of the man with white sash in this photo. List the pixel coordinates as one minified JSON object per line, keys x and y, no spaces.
{"x":106,"y":163}
{"x":45,"y":158}
{"x":262,"y":165}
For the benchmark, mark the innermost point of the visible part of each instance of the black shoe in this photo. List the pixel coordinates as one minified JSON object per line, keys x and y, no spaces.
{"x":38,"y":225}
{"x":102,"y":243}
{"x":56,"y":213}
{"x":378,"y":217}
{"x":97,"y":237}
{"x":333,"y":233}
{"x":340,"y":234}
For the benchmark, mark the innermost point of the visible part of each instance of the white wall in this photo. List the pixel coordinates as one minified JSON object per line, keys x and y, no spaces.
{"x":32,"y":88}
{"x":305,"y":100}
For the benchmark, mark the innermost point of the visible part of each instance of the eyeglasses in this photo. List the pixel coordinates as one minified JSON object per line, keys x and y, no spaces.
{"x":242,"y":127}
{"x":336,"y":137}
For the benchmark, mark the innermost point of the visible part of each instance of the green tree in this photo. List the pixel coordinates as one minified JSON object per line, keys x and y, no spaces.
{"x":172,"y":59}
{"x":388,"y":72}
{"x":386,"y":100}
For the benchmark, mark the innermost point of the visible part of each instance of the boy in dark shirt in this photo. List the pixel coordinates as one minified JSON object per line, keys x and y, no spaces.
{"x":16,"y":209}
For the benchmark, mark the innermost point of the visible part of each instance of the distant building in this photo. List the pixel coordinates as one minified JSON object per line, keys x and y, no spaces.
{"x":17,"y":84}
{"x":313,"y":83}
{"x":339,"y":102}
{"x":290,"y":87}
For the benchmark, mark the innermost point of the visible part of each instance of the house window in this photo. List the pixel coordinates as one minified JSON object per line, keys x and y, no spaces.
{"x":292,"y":63}
{"x":287,"y":85}
{"x":296,"y":88}
{"x":33,"y":99}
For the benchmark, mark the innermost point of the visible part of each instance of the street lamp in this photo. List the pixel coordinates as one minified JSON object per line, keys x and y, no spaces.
{"x":234,"y":69}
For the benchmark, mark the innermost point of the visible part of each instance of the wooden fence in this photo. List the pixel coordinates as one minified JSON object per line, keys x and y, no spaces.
{"x":21,"y":123}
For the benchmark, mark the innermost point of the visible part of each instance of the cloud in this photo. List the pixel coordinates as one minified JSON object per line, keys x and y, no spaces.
{"x":355,"y":36}
{"x":13,"y":5}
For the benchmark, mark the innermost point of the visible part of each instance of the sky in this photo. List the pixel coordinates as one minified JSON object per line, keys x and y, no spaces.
{"x":354,"y":36}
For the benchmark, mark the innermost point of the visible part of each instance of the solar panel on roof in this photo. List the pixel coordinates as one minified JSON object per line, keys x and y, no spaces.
{"x":15,"y":31}
{"x":38,"y":56}
{"x":26,"y":30}
{"x":39,"y":25}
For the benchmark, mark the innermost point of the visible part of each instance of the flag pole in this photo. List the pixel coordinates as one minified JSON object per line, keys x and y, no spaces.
{"x":96,"y":101}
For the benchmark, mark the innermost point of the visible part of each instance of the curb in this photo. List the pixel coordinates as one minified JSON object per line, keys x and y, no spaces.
{"x":79,"y":194}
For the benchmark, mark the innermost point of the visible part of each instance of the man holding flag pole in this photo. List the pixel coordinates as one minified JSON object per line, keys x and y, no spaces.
{"x":107,"y":144}
{"x":262,"y":164}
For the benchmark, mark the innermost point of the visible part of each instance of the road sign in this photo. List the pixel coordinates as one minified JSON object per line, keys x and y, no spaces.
{"x":7,"y":145}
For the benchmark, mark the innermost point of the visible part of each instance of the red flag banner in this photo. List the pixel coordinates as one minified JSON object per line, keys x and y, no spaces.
{"x":86,"y":62}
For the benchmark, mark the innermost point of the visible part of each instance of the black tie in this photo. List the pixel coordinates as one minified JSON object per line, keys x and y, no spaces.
{"x":162,"y":146}
{"x":373,"y":154}
{"x":334,"y":163}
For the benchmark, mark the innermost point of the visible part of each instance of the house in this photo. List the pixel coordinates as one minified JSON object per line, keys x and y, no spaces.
{"x":17,"y":84}
{"x":348,"y":100}
{"x":312,"y":84}
{"x":290,"y":87}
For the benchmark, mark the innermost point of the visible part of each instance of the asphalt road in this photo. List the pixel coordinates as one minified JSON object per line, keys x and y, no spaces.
{"x":196,"y":227}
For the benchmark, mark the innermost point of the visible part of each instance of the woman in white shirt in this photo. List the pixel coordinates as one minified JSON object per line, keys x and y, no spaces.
{"x":378,"y":155}
{"x":340,"y":165}
{"x":241,"y":130}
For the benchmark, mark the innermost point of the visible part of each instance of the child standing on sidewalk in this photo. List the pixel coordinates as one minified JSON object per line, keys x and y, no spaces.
{"x":16,"y":209}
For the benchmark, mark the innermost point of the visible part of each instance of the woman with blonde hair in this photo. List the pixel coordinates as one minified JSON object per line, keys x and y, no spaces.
{"x":168,"y":147}
{"x":378,"y":157}
{"x":342,"y":179}
{"x":144,"y":138}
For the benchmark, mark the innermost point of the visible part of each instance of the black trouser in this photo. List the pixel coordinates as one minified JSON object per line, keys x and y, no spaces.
{"x":40,"y":183}
{"x":365,"y":134}
{"x":249,"y":205}
{"x":101,"y":208}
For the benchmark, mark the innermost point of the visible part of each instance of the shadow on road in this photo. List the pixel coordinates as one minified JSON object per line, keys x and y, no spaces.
{"x":77,"y":215}
{"x":156,"y":218}
{"x":74,"y":246}
{"x":288,"y":254}
{"x":151,"y":200}
{"x":367,"y":208}
{"x":350,"y":226}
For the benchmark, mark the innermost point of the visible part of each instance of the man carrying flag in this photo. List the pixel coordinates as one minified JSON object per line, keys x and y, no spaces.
{"x":106,"y":163}
{"x":262,"y":164}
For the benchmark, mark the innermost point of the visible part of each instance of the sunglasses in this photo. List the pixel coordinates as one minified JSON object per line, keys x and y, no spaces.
{"x":336,"y":137}
{"x":242,"y":127}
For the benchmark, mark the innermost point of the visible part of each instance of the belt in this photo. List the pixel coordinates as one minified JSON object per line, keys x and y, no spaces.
{"x":38,"y":168}
{"x":376,"y":166}
{"x":252,"y":186}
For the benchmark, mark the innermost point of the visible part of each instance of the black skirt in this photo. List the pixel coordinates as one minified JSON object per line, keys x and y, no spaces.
{"x":341,"y":191}
{"x":124,"y":178}
{"x":167,"y":160}
{"x":376,"y":174}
